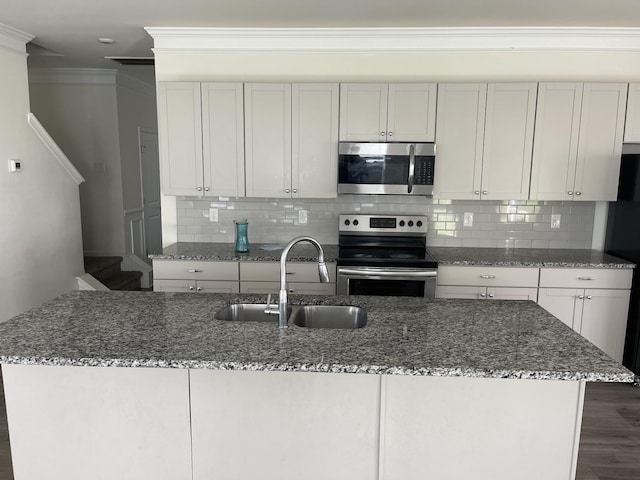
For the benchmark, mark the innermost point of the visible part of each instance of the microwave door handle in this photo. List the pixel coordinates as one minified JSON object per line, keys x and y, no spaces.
{"x":412,"y":166}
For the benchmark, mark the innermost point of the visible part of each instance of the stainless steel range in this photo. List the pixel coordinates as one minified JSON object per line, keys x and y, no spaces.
{"x":385,"y":255}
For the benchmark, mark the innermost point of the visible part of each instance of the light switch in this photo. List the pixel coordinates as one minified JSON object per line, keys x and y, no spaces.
{"x":302,"y":217}
{"x":15,"y":165}
{"x":213,"y":214}
{"x":468,"y":219}
{"x":555,"y":221}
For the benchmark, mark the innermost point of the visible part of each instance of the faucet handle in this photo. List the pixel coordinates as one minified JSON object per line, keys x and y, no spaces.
{"x":271,"y":310}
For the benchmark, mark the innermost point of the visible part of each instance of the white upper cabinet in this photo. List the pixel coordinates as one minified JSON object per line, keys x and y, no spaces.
{"x":291,"y":140}
{"x":223,"y":138}
{"x":578,"y":141}
{"x":484,"y":137}
{"x":632,"y":124}
{"x":508,"y":141}
{"x":201,"y":138}
{"x":180,"y":138}
{"x":381,"y":112}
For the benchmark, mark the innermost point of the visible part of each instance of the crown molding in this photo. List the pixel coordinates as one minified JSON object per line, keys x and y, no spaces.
{"x":396,"y":40}
{"x":13,"y":39}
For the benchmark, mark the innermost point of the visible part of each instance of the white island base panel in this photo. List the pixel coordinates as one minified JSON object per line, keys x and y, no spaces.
{"x":72,"y":423}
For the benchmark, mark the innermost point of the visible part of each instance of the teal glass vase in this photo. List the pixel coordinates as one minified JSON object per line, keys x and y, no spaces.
{"x":242,"y":239}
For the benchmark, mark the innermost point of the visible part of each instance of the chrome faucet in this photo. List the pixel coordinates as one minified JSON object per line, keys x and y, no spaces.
{"x":283,"y":302}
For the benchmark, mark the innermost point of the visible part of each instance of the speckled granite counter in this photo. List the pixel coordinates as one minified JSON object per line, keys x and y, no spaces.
{"x":404,"y":336}
{"x":527,"y":257}
{"x":302,"y":252}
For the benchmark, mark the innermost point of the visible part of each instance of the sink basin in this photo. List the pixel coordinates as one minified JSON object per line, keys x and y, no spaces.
{"x":247,"y":312}
{"x":329,"y":316}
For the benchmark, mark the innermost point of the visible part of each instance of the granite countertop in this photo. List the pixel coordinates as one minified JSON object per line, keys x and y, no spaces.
{"x":404,"y":336}
{"x":301,"y":252}
{"x":503,"y":257}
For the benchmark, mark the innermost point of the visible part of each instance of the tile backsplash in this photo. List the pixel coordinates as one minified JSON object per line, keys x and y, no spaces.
{"x":511,"y":224}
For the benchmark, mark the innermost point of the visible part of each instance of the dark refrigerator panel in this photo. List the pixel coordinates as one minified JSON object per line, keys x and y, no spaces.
{"x":623,"y":240}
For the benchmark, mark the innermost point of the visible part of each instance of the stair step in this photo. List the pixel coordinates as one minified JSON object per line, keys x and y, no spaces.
{"x":123,"y":281}
{"x":102,"y":267}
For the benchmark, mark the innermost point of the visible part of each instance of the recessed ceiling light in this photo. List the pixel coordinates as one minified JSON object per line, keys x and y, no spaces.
{"x":106,"y":41}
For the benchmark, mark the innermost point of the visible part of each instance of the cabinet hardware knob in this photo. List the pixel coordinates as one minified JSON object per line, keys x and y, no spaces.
{"x":570,"y":192}
{"x":477,"y":192}
{"x":390,"y":134}
{"x":199,"y":289}
{"x":199,"y":189}
{"x":295,"y":190}
{"x":484,"y":192}
{"x":581,"y":297}
{"x":291,"y":290}
{"x":191,"y":289}
{"x":491,"y":295}
{"x":578,"y":193}
{"x":482,"y":295}
{"x":286,"y":190}
{"x":382,"y":134}
{"x":588,"y":297}
{"x":206,"y":189}
{"x":486,"y":277}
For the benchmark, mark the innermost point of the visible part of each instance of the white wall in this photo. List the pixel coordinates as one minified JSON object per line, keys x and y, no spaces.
{"x":40,"y":235}
{"x":95,"y":118}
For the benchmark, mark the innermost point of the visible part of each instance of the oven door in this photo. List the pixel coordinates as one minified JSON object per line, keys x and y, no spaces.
{"x":407,"y":282}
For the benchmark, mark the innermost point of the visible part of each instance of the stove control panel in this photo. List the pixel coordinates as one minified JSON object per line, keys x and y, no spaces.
{"x":382,"y":223}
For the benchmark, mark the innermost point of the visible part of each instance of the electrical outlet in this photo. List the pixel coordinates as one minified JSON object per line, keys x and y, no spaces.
{"x":555,"y":221}
{"x":302,"y":217}
{"x":468,"y":219}
{"x":213,"y":214}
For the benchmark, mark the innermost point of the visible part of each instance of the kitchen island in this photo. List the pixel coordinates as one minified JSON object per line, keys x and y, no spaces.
{"x":446,"y":389}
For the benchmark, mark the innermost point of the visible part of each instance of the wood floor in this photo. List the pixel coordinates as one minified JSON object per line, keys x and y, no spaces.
{"x":609,"y":443}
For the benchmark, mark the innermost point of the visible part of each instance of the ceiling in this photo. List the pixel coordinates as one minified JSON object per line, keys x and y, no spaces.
{"x":67,"y":31}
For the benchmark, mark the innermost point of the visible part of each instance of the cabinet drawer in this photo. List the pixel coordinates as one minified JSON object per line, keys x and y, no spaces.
{"x":586,"y":277}
{"x":296,"y":272}
{"x":488,"y":276}
{"x":202,"y":286}
{"x":305,"y":288}
{"x":195,"y":270}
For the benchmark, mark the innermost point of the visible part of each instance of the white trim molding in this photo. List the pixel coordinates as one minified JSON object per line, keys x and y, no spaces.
{"x":82,"y":76}
{"x":53,"y":147}
{"x":13,"y":39}
{"x":397,"y":40}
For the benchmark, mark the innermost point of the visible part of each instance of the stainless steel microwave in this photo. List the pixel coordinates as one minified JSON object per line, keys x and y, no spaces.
{"x":386,"y":168}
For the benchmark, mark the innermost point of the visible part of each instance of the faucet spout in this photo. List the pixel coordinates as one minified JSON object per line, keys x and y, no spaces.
{"x":283,"y":302}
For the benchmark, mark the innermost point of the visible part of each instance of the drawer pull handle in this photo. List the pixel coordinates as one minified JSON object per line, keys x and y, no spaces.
{"x":194,"y":270}
{"x":586,"y":278}
{"x":487,"y":277}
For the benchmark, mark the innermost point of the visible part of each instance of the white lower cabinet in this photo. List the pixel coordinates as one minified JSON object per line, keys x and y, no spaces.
{"x":599,"y":314}
{"x":487,"y":282}
{"x":284,"y":425}
{"x":302,"y":278}
{"x":452,"y":428}
{"x":195,"y":276}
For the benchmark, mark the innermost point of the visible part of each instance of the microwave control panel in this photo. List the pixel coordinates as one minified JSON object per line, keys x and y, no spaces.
{"x":423,"y":174}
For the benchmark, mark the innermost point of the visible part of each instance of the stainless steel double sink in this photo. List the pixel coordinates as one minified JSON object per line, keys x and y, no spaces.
{"x":309,"y":316}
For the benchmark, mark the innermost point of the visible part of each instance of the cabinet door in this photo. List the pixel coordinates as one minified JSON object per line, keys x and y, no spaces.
{"x":512,"y":293}
{"x":604,"y":320}
{"x":632,"y":123}
{"x":314,"y":150}
{"x":453,"y":291}
{"x":600,"y":145}
{"x":180,"y":138}
{"x":411,"y":112}
{"x":459,"y":139}
{"x":563,"y":303}
{"x":363,"y":112}
{"x":171,"y":285}
{"x":268,"y":139}
{"x":508,"y":141}
{"x":295,"y":425}
{"x":217,"y":286}
{"x":555,"y":145}
{"x":223,"y":138}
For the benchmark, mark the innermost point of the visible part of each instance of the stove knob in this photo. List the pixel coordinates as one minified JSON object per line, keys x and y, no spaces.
{"x":347,"y":222}
{"x":419,"y":224}
{"x":355,"y":222}
{"x":402,"y":223}
{"x":410,"y":223}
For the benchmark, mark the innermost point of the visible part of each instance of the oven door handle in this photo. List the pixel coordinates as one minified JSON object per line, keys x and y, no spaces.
{"x":412,"y":166}
{"x":417,"y":273}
